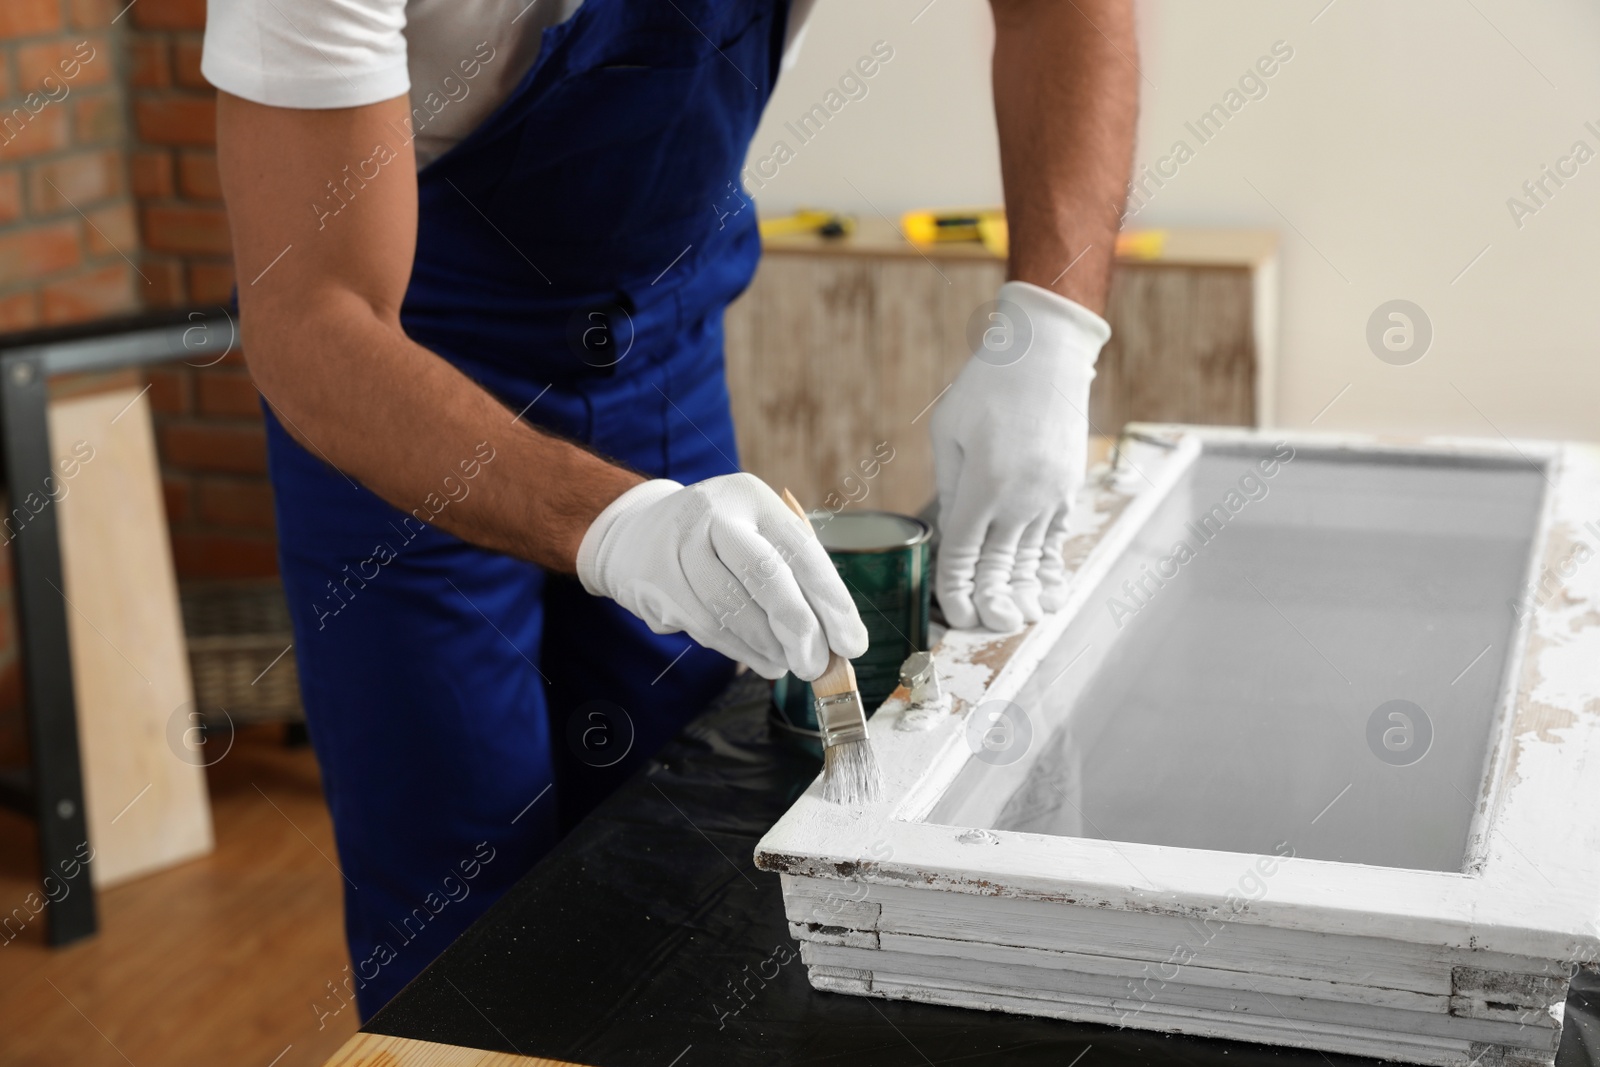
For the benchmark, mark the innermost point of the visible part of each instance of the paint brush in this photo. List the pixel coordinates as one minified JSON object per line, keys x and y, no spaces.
{"x":850,"y":772}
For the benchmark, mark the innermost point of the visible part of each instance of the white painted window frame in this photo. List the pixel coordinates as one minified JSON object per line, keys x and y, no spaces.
{"x":1530,"y":886}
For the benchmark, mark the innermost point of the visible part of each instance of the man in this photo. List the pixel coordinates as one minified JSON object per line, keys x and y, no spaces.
{"x":503,"y":370}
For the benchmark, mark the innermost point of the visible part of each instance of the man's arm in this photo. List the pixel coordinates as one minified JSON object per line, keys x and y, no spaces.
{"x":1066,"y":97}
{"x":322,"y":336}
{"x":723,"y":560}
{"x":1011,"y":433}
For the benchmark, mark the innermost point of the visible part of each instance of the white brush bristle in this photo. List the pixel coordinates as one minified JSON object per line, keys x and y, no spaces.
{"x":850,"y":774}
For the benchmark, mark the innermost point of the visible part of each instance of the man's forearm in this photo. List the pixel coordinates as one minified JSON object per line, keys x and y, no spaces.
{"x":420,"y":434}
{"x":1066,"y":99}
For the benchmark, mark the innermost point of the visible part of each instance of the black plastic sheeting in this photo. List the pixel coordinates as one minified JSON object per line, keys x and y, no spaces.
{"x":649,"y":939}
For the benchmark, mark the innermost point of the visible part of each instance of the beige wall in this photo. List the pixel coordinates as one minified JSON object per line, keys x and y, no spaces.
{"x":1384,"y":151}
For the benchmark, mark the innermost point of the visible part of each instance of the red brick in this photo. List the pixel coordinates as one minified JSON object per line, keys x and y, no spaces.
{"x":150,"y":173}
{"x":227,"y":393}
{"x":18,"y":312}
{"x":211,"y":283}
{"x":66,"y":62}
{"x":10,"y":195}
{"x":169,"y":14}
{"x":147,"y":62}
{"x":24,"y":134}
{"x":166,"y":287}
{"x":177,"y":120}
{"x":197,"y":176}
{"x":5,"y":76}
{"x":75,"y":181}
{"x":236,"y":503}
{"x":93,"y":14}
{"x":176,"y":494}
{"x":98,"y":118}
{"x":25,"y":18}
{"x":186,"y":229}
{"x":186,"y":63}
{"x":169,"y":391}
{"x":27,"y":254}
{"x":224,"y":555}
{"x":112,"y":231}
{"x":224,"y":449}
{"x":92,"y":295}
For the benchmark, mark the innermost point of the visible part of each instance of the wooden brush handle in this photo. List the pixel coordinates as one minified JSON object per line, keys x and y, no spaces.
{"x":794,"y":506}
{"x":840,"y":677}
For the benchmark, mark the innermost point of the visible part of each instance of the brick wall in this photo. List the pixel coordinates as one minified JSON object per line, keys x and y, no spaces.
{"x":69,"y":239}
{"x":207,"y":419}
{"x":109,"y":203}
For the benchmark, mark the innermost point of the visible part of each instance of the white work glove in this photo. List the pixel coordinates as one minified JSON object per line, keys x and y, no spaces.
{"x":1010,"y":440}
{"x":725,"y":561}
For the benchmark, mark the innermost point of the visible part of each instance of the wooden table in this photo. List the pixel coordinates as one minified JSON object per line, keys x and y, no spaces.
{"x":380,"y":1050}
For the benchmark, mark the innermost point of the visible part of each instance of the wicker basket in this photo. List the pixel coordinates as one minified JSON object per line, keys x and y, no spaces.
{"x":239,"y":639}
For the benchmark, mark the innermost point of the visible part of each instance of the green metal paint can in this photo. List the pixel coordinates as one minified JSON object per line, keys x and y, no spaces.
{"x":884,"y":560}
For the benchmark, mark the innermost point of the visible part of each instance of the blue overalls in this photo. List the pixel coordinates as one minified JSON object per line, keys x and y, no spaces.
{"x":574,"y":257}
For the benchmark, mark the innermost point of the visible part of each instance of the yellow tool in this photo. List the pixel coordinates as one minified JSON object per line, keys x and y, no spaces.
{"x":984,"y":225}
{"x":987,"y":226}
{"x":1141,"y":244}
{"x":809,"y":220}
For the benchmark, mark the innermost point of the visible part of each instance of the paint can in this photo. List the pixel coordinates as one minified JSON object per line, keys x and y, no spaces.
{"x":885,"y":561}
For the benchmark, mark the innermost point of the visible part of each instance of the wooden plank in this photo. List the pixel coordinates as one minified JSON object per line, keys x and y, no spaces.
{"x":1185,"y":991}
{"x":1223,"y":353}
{"x":1112,"y":975}
{"x":840,"y":390}
{"x":1259,"y":1029}
{"x":1182,"y":349}
{"x":741,"y":348}
{"x":923,"y":312}
{"x":1147,"y":938}
{"x":381,"y":1050}
{"x":774,"y":423}
{"x":147,"y":807}
{"x":909,"y":353}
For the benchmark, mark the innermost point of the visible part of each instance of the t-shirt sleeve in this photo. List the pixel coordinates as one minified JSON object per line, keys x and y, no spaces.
{"x":307,"y":53}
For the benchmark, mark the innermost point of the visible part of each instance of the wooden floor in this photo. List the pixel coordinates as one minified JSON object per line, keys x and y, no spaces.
{"x":224,"y":960}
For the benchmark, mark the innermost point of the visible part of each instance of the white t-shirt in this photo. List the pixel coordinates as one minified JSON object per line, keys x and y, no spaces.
{"x":346,"y":53}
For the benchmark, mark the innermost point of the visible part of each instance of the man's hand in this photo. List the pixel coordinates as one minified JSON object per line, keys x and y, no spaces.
{"x":727,"y":562}
{"x":1009,"y":443}
{"x":1010,"y":436}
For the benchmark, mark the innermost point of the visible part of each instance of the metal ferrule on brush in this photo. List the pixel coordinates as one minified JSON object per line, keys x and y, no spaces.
{"x":841,"y":719}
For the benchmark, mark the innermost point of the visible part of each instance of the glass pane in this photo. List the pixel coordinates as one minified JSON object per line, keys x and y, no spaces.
{"x":1304,"y":650}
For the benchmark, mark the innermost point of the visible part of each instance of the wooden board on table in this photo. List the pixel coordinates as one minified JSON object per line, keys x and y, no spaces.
{"x":380,"y":1050}
{"x":146,"y":806}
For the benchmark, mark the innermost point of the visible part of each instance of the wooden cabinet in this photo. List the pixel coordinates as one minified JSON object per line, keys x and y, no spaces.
{"x":841,"y":345}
